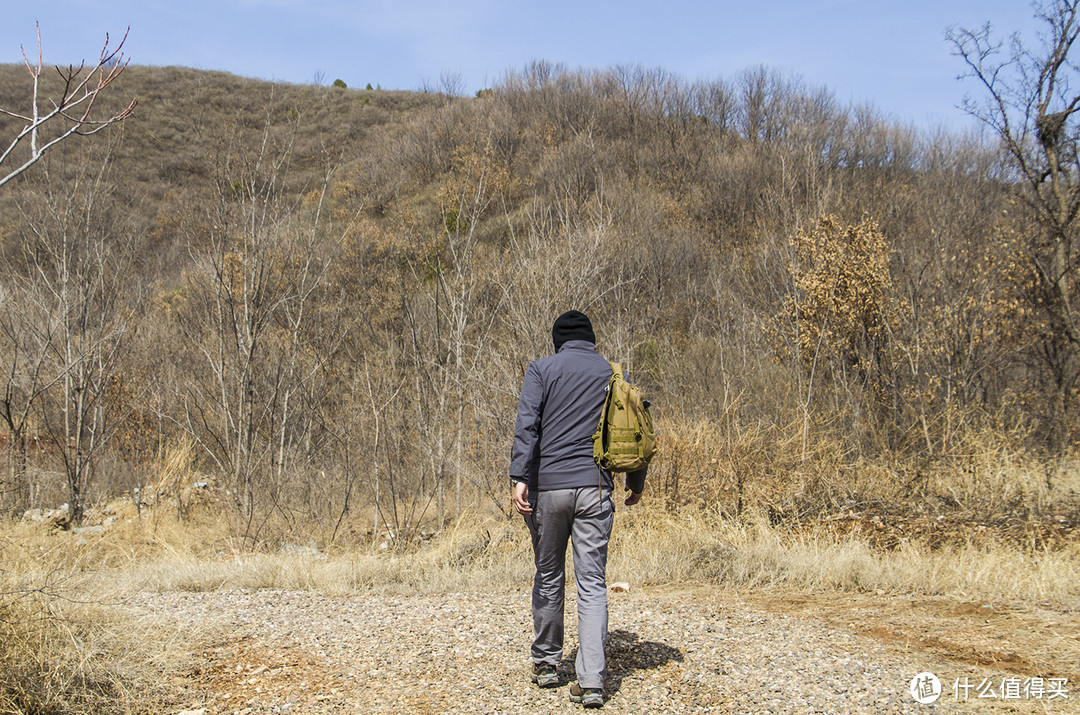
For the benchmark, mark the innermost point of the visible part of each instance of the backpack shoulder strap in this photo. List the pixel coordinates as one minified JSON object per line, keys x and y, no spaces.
{"x":615,"y":367}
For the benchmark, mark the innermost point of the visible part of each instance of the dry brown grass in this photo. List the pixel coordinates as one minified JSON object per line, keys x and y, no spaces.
{"x":713,"y":465}
{"x":474,"y":555}
{"x":66,"y":644}
{"x":651,"y":545}
{"x":670,"y":549}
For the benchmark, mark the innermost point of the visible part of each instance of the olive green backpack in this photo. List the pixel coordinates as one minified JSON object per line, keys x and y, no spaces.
{"x":624,"y":440}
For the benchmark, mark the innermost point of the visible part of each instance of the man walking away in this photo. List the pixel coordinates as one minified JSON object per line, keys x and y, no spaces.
{"x":563,"y":496}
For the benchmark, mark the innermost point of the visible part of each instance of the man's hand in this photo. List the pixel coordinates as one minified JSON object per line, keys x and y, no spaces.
{"x":633,"y":499}
{"x":520,"y":498}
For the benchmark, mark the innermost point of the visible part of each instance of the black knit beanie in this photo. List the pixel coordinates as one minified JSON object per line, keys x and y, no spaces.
{"x":572,"y":325}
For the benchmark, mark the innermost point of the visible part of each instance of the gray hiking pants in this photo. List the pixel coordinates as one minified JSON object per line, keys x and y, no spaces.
{"x":583,"y":516}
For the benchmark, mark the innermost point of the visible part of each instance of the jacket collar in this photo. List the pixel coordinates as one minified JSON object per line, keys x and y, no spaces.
{"x":577,"y":345}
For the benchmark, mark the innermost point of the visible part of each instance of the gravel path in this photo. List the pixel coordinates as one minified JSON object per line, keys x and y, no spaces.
{"x":669,"y":652}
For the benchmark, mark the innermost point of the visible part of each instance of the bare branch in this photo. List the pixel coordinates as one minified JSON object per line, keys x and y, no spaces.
{"x":69,"y":114}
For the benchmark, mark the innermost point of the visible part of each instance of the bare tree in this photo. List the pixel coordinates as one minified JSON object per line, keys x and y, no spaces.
{"x":258,"y":324}
{"x":25,"y":340}
{"x":27,"y":331}
{"x":450,"y":85}
{"x":69,"y":113}
{"x":1029,"y":98}
{"x":77,"y":300}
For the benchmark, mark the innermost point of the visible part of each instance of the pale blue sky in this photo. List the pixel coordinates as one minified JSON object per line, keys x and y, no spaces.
{"x":890,"y":53}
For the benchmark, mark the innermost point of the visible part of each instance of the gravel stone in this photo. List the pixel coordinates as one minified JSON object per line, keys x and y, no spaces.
{"x":668,"y":652}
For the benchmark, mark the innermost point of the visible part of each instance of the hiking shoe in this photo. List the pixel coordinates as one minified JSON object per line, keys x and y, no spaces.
{"x":588,"y":697}
{"x":545,"y":675}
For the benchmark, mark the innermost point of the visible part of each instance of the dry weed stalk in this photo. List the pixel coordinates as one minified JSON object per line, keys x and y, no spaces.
{"x":65,"y":643}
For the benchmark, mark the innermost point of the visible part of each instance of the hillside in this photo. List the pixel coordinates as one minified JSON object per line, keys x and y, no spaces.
{"x":826,"y":307}
{"x":272,"y":337}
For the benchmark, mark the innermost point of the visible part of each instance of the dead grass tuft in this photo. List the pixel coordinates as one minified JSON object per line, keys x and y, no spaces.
{"x":472,"y":555}
{"x":654,"y":546}
{"x":66,"y":644}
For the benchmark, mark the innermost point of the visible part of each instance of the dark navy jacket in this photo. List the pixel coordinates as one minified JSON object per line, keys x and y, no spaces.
{"x":560,"y":406}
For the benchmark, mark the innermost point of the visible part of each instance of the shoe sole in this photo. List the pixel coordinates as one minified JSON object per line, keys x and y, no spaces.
{"x":546,"y":681}
{"x":587,"y":702}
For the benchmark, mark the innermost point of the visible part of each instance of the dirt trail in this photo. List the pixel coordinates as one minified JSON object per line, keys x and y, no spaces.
{"x":669,"y":651}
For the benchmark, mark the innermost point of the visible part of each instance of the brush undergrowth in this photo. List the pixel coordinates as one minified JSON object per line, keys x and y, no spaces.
{"x":66,"y":643}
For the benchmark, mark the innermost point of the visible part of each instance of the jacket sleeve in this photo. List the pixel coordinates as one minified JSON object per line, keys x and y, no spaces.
{"x":525,"y":455}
